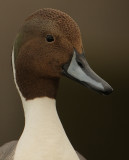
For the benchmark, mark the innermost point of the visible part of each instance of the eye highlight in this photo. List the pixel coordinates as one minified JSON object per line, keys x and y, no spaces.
{"x":49,"y":38}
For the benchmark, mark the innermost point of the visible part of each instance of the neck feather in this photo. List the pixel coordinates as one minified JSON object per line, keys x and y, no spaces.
{"x":32,"y":87}
{"x":43,"y":136}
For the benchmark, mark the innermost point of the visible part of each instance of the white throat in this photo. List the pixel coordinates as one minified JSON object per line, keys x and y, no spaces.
{"x":43,"y":137}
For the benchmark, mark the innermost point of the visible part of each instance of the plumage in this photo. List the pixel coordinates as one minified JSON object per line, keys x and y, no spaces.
{"x":8,"y":149}
{"x":47,"y":47}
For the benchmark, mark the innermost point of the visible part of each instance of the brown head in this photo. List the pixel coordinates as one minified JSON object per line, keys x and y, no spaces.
{"x":44,"y":50}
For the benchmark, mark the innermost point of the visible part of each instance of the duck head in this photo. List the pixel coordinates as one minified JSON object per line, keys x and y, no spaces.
{"x":47,"y":47}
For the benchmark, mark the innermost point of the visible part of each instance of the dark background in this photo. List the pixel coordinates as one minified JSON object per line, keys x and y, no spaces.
{"x":95,"y":124}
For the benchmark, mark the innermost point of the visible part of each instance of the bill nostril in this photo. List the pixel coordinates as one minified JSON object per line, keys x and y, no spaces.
{"x":80,"y":64}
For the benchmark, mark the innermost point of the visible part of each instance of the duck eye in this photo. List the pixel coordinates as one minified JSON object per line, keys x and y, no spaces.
{"x":49,"y":38}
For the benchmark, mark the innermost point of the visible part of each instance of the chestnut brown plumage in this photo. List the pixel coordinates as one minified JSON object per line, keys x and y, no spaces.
{"x":38,"y":63}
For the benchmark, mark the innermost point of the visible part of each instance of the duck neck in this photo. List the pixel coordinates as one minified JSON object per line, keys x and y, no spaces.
{"x":43,"y":136}
{"x":32,"y":86}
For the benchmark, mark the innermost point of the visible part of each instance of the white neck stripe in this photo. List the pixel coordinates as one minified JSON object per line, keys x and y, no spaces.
{"x":43,"y":136}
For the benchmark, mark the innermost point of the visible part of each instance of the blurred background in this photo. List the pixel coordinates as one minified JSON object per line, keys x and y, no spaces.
{"x":95,"y":124}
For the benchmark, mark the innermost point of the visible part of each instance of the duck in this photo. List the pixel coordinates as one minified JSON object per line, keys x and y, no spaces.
{"x":47,"y":47}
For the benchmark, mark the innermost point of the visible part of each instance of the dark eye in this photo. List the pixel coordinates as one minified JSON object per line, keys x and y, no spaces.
{"x":49,"y":38}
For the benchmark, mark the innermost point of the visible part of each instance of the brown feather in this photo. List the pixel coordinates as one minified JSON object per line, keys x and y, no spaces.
{"x":39,"y":63}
